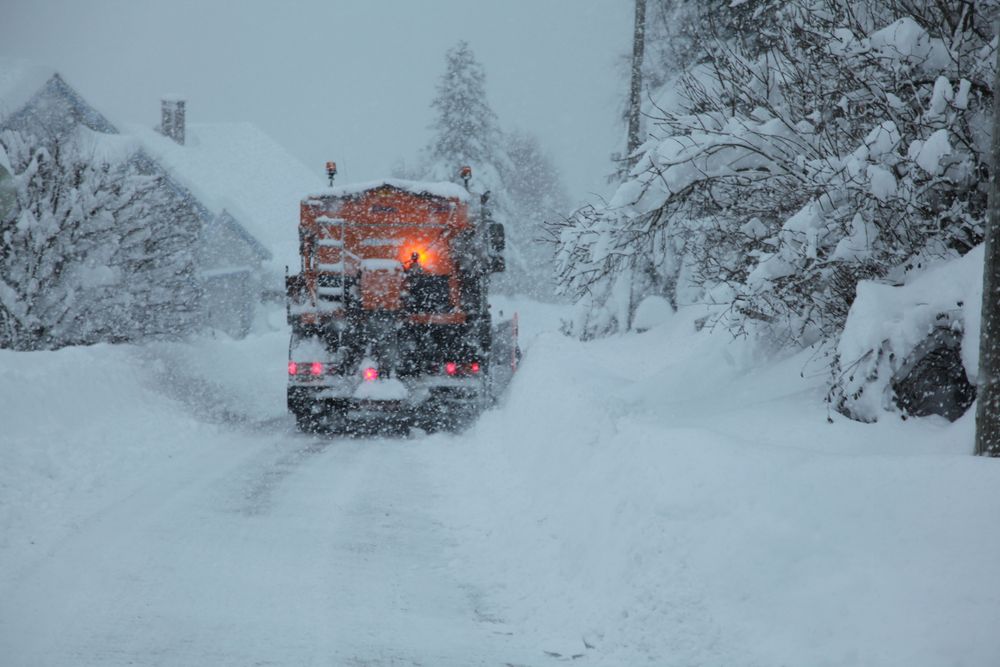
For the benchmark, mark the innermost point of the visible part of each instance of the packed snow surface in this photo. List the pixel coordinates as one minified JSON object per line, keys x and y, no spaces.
{"x":665,"y":498}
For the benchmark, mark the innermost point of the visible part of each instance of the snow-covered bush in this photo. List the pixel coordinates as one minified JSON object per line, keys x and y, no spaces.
{"x":887,"y":323}
{"x":92,"y":250}
{"x":853,"y":147}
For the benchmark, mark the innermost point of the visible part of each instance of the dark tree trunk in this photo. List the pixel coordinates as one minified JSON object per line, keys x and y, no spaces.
{"x":635,"y":91}
{"x":634,"y":116}
{"x":988,"y":409}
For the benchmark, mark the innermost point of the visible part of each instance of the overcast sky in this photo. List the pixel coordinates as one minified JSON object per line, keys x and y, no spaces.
{"x":349,"y":80}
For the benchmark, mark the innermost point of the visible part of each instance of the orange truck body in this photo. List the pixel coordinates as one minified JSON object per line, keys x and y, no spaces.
{"x":374,"y":235}
{"x":389,"y":311}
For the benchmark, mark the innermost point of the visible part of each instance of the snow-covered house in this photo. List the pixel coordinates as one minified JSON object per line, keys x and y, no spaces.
{"x":242,"y":186}
{"x":251,"y":183}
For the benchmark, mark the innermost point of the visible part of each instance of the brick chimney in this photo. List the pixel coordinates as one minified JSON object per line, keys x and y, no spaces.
{"x":172,"y":124}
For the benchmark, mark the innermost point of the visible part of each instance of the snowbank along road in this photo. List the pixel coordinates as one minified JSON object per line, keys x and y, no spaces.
{"x":656,"y":499}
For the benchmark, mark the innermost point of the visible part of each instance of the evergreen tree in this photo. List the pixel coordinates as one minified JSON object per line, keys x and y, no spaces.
{"x":466,"y":128}
{"x":537,"y":193}
{"x":523,"y":183}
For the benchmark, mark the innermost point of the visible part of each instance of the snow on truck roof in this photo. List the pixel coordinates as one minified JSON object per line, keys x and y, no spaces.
{"x":443,"y":189}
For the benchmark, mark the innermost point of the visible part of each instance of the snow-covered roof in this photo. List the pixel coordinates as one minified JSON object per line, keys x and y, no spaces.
{"x":238,"y":168}
{"x":231,"y":167}
{"x":33,"y":96}
{"x":434,"y":189}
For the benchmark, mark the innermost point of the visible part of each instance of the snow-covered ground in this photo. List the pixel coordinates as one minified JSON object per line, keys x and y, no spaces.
{"x":663,"y":498}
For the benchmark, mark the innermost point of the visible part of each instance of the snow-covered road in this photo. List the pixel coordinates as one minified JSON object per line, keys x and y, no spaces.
{"x":664,"y":498}
{"x":277,"y":550}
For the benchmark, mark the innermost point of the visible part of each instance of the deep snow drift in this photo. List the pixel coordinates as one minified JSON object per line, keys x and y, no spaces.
{"x":662,"y":498}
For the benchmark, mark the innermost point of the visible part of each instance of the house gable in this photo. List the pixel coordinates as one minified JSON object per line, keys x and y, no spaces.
{"x":55,"y":110}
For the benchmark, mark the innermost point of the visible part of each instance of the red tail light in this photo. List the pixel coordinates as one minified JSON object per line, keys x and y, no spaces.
{"x":451,"y":368}
{"x":474,"y":367}
{"x":293,"y":368}
{"x":316,"y":368}
{"x":370,"y":374}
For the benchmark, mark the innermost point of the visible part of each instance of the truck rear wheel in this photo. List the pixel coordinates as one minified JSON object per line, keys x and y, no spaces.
{"x":305,"y":422}
{"x":319,"y":418}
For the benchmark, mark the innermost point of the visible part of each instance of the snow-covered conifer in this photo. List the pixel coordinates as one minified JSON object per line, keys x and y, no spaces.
{"x":523,"y":183}
{"x":466,"y":130}
{"x":537,"y":195}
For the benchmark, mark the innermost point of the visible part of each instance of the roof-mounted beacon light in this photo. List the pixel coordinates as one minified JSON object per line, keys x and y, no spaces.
{"x":331,"y":171}
{"x":466,"y":173}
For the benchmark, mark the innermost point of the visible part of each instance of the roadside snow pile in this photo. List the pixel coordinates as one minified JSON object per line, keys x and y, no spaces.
{"x":222,"y":379}
{"x":73,"y":419}
{"x":84,"y":425}
{"x":534,"y":317}
{"x":659,"y":499}
{"x":652,"y":311}
{"x":886,"y":324}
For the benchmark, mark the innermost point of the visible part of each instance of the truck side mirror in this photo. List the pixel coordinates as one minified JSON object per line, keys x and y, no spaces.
{"x":498,"y":243}
{"x":295,"y":288}
{"x":295,"y":293}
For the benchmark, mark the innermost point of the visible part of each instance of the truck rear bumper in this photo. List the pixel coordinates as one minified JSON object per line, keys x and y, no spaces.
{"x":316,"y":400}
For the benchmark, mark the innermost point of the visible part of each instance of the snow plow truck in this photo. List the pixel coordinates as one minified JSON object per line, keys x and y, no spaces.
{"x":391,"y":326}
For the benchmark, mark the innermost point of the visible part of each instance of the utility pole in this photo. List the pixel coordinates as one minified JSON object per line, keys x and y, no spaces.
{"x":634,"y":116}
{"x":635,"y":92}
{"x":988,"y":408}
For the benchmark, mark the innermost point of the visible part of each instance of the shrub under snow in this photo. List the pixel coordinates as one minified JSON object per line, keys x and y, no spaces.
{"x":91,"y":249}
{"x":851,"y":145}
{"x":886,"y":324}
